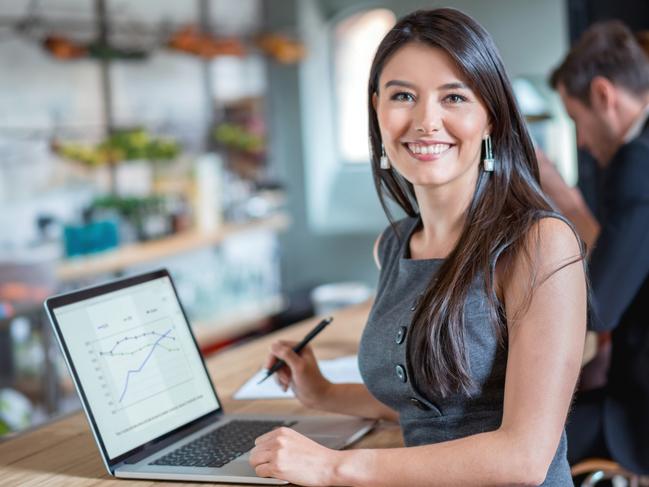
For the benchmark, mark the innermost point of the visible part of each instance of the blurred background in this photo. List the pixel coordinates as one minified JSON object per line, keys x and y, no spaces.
{"x":226,"y":141}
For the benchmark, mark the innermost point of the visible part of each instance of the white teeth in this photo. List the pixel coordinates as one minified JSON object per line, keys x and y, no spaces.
{"x":428,"y":149}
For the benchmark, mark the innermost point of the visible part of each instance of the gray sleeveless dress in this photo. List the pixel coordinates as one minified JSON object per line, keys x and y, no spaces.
{"x":386,"y":371}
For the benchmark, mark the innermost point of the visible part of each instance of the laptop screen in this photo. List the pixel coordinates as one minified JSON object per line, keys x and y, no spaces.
{"x":137,"y":362}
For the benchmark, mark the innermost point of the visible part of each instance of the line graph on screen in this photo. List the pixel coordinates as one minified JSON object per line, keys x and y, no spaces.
{"x":139,"y":363}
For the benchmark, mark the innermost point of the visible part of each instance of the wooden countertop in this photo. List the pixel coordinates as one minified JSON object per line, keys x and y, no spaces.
{"x":64,"y":453}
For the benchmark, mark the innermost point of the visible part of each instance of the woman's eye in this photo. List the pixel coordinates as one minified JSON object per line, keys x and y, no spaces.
{"x":402,"y":96}
{"x":455,"y":98}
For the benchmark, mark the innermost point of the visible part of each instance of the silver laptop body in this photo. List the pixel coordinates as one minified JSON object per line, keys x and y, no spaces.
{"x":144,"y":385}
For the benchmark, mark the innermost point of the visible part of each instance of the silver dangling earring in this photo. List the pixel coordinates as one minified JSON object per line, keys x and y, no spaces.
{"x":384,"y":161}
{"x":488,"y":162}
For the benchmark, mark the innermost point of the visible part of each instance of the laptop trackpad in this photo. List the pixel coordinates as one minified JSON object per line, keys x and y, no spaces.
{"x":241,"y":467}
{"x":326,"y":427}
{"x":333,"y":433}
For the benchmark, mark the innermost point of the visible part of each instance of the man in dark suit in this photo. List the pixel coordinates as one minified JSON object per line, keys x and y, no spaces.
{"x":604,"y":85}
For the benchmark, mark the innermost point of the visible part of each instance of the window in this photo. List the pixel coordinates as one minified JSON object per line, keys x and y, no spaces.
{"x":339,"y":189}
{"x":355,"y":41}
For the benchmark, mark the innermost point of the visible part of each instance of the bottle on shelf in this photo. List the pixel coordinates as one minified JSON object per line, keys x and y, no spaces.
{"x":208,"y":211}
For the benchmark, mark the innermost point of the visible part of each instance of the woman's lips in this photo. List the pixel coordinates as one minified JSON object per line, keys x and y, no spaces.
{"x":429,"y":156}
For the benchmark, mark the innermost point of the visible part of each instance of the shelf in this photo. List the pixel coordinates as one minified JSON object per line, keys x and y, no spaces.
{"x":130,"y":255}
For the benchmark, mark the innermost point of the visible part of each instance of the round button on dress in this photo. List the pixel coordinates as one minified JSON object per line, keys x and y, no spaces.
{"x":401,"y":373}
{"x":401,"y":335}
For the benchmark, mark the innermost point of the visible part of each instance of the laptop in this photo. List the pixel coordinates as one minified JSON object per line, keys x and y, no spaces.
{"x":151,"y":405}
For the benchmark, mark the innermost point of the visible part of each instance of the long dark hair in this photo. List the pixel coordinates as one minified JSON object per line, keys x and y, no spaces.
{"x":506,"y":204}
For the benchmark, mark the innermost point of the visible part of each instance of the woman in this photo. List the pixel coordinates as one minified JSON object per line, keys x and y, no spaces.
{"x":475,"y":338}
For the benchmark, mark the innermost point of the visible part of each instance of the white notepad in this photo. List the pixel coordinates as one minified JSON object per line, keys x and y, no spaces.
{"x":338,"y":370}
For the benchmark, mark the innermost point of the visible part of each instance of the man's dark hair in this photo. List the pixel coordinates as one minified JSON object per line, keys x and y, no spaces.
{"x":606,"y":49}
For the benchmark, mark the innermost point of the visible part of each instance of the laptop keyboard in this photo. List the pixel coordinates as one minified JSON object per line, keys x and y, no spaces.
{"x":220,"y":446}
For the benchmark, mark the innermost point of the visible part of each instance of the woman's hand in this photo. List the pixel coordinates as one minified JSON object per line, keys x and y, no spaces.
{"x":301,"y":372}
{"x":288,"y":455}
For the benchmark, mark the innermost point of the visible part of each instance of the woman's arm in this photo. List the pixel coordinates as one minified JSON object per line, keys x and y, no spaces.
{"x":355,"y":400}
{"x":313,"y":390}
{"x":545,"y":346}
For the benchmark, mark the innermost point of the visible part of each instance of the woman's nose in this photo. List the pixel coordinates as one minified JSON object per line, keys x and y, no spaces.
{"x":428,"y":117}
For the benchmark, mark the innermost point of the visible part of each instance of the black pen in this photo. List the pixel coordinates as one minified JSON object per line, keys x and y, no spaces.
{"x":298,"y":348}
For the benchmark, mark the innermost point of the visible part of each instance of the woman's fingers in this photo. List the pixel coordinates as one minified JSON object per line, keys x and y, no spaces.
{"x":259,"y":454}
{"x":271,"y":435}
{"x":286,"y":353}
{"x":272,"y":357}
{"x":283,"y":380}
{"x":264,"y":470}
{"x":269,"y":361}
{"x":307,"y":353}
{"x":301,"y":371}
{"x":286,"y":454}
{"x":260,"y":459}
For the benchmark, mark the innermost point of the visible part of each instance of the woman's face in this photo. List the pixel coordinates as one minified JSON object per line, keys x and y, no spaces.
{"x":432,"y":125}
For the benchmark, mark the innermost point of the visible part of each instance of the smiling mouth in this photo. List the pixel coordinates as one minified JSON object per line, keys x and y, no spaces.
{"x":427,"y":152}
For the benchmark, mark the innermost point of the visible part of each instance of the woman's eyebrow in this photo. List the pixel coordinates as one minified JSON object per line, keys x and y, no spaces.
{"x":453,"y":86}
{"x":397,"y":82}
